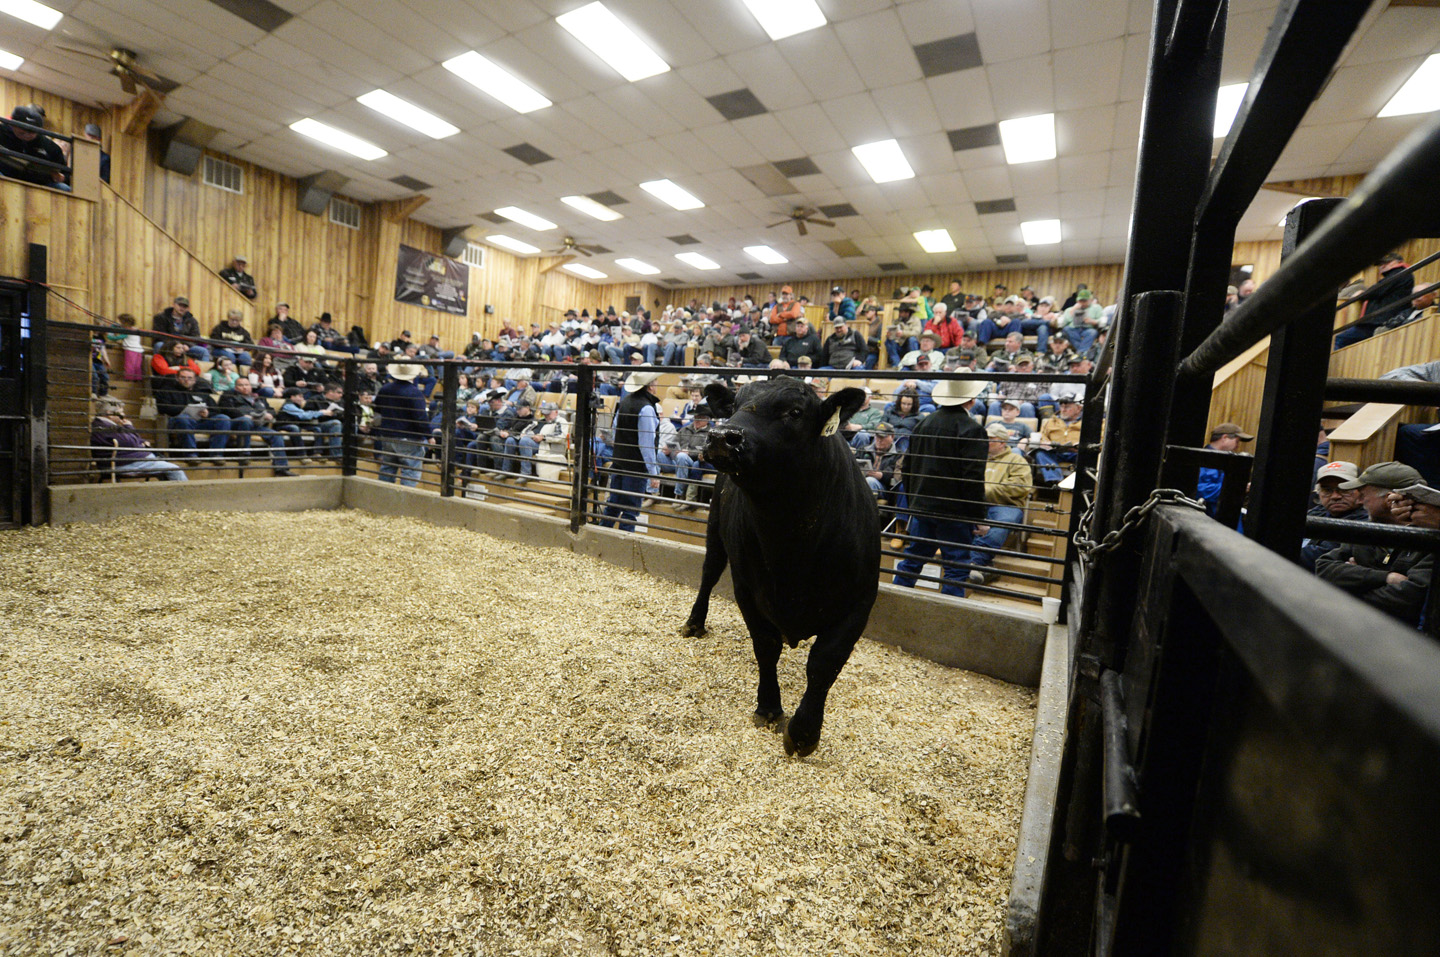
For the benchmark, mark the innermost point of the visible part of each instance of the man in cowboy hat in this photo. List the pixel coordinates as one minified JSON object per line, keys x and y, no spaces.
{"x":944,"y":473}
{"x":404,"y":425}
{"x":635,"y":466}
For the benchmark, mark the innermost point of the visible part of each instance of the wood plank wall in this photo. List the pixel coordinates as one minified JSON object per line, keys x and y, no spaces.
{"x":60,"y":222}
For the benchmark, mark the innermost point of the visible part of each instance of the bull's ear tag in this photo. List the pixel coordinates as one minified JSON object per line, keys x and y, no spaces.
{"x":832,"y":426}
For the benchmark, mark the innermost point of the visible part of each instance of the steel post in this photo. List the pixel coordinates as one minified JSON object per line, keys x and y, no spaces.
{"x":450,"y":384}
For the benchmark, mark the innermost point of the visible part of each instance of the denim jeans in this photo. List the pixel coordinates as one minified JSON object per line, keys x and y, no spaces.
{"x":184,"y":427}
{"x":623,"y":504}
{"x":327,"y":436}
{"x":403,"y":455}
{"x":151,"y":465}
{"x":952,"y":539}
{"x":244,"y":426}
{"x":996,"y":537}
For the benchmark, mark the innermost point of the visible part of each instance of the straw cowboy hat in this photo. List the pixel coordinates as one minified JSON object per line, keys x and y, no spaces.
{"x":640,"y":380}
{"x":406,"y":371}
{"x":956,"y":392}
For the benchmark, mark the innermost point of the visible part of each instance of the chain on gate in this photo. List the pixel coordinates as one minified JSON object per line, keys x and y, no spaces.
{"x":1088,"y":548}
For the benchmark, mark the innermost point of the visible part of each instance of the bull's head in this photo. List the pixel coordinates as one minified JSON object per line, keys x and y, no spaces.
{"x":775,"y":426}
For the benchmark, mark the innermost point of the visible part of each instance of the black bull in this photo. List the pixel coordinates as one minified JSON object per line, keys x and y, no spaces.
{"x":797,"y":524}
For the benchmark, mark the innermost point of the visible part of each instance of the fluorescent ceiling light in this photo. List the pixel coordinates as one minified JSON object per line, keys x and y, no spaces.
{"x":668,"y":192}
{"x":339,"y":139}
{"x":785,"y":18}
{"x":494,"y":80}
{"x":403,"y":111}
{"x":884,"y":161}
{"x":580,"y":269}
{"x":517,"y":215}
{"x":512,"y":244}
{"x":935,"y":240}
{"x":589,"y":207}
{"x":1420,"y":94}
{"x":9,"y":61}
{"x":697,"y":260}
{"x":766,"y":255}
{"x":1028,"y":139}
{"x":612,"y":41}
{"x":32,"y":12}
{"x":1040,"y":232}
{"x":635,"y":265}
{"x":1227,"y":104}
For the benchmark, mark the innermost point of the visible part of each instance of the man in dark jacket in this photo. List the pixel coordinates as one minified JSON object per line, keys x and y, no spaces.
{"x":1393,"y":580}
{"x":191,"y":409}
{"x":944,"y":476}
{"x":1334,"y":502}
{"x":290,"y":327}
{"x":845,"y":349}
{"x":250,"y":415}
{"x":233,"y":331}
{"x":178,"y":320}
{"x":636,"y":437}
{"x":32,"y":145}
{"x":235,"y":274}
{"x":404,"y":426}
{"x":306,"y":374}
{"x":803,"y":341}
{"x":751,"y":350}
{"x":1391,"y":290}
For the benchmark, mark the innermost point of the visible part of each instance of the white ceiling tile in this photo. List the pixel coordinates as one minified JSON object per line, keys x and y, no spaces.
{"x":711,"y":77}
{"x":1244,"y":36}
{"x":1374,"y":143}
{"x":1134,"y":63}
{"x":907,"y":109}
{"x":1088,"y":172}
{"x":1358,"y":92}
{"x":926,"y":21}
{"x":728,"y":27}
{"x":980,"y":158}
{"x":769,"y":77}
{"x":725,"y":141}
{"x":366,"y":37}
{"x":1030,"y":179}
{"x":857,"y":119}
{"x":944,"y":188}
{"x":992,"y":183}
{"x":1076,"y":24}
{"x":821,"y":63}
{"x":811,"y":127}
{"x":664,"y":28}
{"x":1075,"y":203}
{"x":879,"y":49}
{"x":769,"y":138}
{"x":1011,"y":29}
{"x":1084,"y":131}
{"x":1022,"y":87}
{"x":962,"y":99}
{"x":697,"y":155}
{"x":1396,"y":32}
{"x":1320,"y":145}
{"x":592,"y":111}
{"x":1089,"y":75}
{"x":1127,"y":126}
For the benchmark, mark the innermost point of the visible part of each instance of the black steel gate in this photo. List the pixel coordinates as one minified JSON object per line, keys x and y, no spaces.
{"x":23,"y":453}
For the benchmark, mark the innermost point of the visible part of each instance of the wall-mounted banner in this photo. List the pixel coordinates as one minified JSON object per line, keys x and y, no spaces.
{"x":434,"y":282}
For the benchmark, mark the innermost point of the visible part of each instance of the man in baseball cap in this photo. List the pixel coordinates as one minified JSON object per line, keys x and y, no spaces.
{"x":32,"y":151}
{"x":1332,"y":501}
{"x":1393,"y":580}
{"x":1225,"y":437}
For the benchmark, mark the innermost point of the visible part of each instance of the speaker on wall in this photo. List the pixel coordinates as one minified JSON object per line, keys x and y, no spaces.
{"x":316,"y":190}
{"x":183,"y":143}
{"x":454,"y":241}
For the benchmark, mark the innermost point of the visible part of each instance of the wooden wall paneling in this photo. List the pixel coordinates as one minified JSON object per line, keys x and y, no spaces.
{"x":60,"y":222}
{"x":61,"y":115}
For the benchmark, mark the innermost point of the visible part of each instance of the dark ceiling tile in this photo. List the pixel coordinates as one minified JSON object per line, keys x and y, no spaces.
{"x":608,"y":198}
{"x":894,"y":267}
{"x":494,"y":218}
{"x":672,"y":282}
{"x":988,"y":206}
{"x":844,"y":248}
{"x":684,"y":239}
{"x":974,"y":137}
{"x":410,"y":182}
{"x":1012,"y":259}
{"x":259,"y":13}
{"x":748,"y":275}
{"x":737,"y":104}
{"x":949,"y":55}
{"x":528,"y":154}
{"x":801,"y":166}
{"x":838,"y":210}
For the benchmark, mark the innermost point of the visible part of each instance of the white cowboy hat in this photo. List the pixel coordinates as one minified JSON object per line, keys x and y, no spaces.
{"x":406,"y":371}
{"x":640,"y":380}
{"x":956,"y":392}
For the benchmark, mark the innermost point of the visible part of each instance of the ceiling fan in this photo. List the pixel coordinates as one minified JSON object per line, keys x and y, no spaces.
{"x":570,"y":247}
{"x":126,"y":65}
{"x":801,"y":215}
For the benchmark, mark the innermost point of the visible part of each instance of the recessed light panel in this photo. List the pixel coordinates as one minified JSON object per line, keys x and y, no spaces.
{"x":612,"y":41}
{"x":403,"y":111}
{"x":668,"y":192}
{"x":935,"y":240}
{"x":32,"y":12}
{"x":785,"y":18}
{"x":494,"y":80}
{"x":1040,"y":232}
{"x":1420,"y":94}
{"x":589,"y":207}
{"x":697,"y":260}
{"x":517,"y":215}
{"x":9,"y":61}
{"x":514,"y":245}
{"x":635,"y":265}
{"x":580,"y":269}
{"x":766,"y":255}
{"x":884,"y":161}
{"x":1227,"y":104}
{"x":338,"y":139}
{"x":1028,"y":139}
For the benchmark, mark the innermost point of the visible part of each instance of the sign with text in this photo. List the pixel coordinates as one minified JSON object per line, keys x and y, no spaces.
{"x":432,"y":282}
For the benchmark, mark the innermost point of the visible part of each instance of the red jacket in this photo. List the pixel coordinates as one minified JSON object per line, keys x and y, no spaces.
{"x":161,"y":365}
{"x":949,"y":331}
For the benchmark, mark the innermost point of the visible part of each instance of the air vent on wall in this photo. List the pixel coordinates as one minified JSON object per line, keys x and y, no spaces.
{"x":1012,"y":259}
{"x":223,"y":175}
{"x":474,"y":255}
{"x":894,"y":267}
{"x":345,"y":213}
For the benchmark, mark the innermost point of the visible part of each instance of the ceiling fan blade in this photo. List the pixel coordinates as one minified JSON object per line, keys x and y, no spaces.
{"x":781,"y":223}
{"x":801,"y":224}
{"x":584,"y":251}
{"x":127,"y":80}
{"x":82,"y":51}
{"x":819,"y":222}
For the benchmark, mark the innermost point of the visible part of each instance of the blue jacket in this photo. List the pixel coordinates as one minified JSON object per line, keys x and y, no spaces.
{"x":401,"y":409}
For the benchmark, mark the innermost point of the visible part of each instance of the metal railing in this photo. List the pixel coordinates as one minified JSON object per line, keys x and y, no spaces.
{"x":29,"y":159}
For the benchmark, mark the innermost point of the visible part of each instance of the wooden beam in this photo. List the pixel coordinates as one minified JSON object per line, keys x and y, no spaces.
{"x":402,"y":209}
{"x":555,"y":263}
{"x":1337,"y":186}
{"x":135,"y":116}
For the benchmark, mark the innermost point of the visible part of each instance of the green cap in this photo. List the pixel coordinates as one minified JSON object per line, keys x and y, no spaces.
{"x":1391,"y":475}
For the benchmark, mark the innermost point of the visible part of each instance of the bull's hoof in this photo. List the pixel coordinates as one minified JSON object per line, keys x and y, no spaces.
{"x":802,"y":748}
{"x":775,"y":720}
{"x":693,"y":629}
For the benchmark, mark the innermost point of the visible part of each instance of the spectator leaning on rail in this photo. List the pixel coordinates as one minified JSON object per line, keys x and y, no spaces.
{"x":1334,"y":502}
{"x":403,"y":425}
{"x":1393,"y":580}
{"x":31,"y":146}
{"x":131,"y":455}
{"x":1007,"y":488}
{"x":240,"y":280}
{"x":1391,"y":289}
{"x":944,"y":476}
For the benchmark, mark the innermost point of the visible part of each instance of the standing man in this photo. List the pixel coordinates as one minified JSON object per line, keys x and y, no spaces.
{"x":1225,"y":437}
{"x":634,"y":463}
{"x":237,"y":277}
{"x":1007,"y":488}
{"x":944,"y":476}
{"x":404,"y":427}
